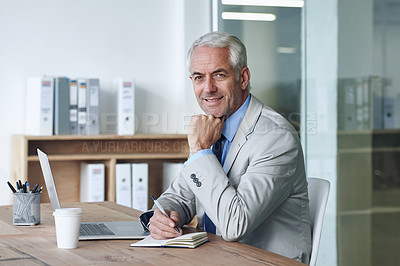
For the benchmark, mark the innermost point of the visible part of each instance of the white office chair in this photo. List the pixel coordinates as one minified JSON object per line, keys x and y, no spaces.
{"x":318,"y":192}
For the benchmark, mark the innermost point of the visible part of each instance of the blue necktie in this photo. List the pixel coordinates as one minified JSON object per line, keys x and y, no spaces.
{"x":217,"y":150}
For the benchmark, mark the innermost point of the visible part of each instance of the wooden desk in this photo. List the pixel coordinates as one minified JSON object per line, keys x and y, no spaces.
{"x":37,"y":245}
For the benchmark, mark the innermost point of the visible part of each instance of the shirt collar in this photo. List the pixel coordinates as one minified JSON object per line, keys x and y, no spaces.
{"x":232,"y":123}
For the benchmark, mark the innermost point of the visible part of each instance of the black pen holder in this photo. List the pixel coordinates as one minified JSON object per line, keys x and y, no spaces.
{"x":26,"y":209}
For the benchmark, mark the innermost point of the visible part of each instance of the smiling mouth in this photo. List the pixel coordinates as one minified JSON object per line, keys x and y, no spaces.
{"x":214,"y":99}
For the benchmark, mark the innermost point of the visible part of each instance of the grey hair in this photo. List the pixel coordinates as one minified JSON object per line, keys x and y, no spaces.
{"x":237,"y":50}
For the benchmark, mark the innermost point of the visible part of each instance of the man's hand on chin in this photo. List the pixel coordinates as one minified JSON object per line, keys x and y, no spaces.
{"x":204,"y":131}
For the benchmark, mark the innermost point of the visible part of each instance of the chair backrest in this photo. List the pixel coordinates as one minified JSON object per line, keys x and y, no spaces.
{"x":318,"y":192}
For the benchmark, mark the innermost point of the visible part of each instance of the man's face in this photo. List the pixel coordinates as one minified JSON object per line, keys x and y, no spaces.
{"x":214,"y":81}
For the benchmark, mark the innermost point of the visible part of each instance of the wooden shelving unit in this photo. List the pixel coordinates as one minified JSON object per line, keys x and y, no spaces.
{"x":68,"y":151}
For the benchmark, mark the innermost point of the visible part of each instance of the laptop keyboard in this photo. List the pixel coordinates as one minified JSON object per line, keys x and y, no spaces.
{"x":95,"y":230}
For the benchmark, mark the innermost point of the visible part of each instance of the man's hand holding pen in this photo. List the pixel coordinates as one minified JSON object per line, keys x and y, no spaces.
{"x":163,"y":223}
{"x":163,"y":227}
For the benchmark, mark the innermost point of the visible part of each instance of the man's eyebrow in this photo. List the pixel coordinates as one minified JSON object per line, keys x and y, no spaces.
{"x":196,"y":73}
{"x":220,"y":70}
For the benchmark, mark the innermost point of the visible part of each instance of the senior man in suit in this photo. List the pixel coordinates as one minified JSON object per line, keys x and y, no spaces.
{"x":245,"y":179}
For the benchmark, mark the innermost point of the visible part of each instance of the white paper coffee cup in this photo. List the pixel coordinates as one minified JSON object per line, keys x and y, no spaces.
{"x":67,"y":221}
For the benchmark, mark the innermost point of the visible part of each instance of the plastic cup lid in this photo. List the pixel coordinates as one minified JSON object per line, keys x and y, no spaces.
{"x":68,"y":211}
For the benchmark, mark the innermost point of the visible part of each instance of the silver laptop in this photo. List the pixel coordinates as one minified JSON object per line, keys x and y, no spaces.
{"x":91,"y":230}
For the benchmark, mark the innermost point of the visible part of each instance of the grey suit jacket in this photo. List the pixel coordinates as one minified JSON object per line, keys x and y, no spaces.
{"x":259,"y":196}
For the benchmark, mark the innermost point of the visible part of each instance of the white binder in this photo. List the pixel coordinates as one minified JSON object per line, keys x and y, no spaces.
{"x":140,"y":178}
{"x":92,"y":182}
{"x":347,"y":114}
{"x":61,"y":106}
{"x":123,"y":190}
{"x":126,"y":107}
{"x":366,"y":94}
{"x":39,"y":106}
{"x":389,"y":112}
{"x":92,"y":106}
{"x":359,"y":104}
{"x":73,"y":106}
{"x":376,"y":102}
{"x":82,"y":106}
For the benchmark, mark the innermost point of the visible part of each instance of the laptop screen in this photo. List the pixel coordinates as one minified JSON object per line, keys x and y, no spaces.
{"x":48,"y":179}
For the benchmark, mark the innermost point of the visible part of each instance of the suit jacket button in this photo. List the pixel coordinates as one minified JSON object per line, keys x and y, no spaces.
{"x":198,"y":184}
{"x":195,"y":180}
{"x":192,"y":176}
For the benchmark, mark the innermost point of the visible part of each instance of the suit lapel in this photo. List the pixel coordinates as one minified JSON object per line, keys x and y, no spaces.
{"x":246,"y":127}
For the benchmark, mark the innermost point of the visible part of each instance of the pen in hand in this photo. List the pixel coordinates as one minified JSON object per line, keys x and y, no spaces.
{"x":162,"y":210}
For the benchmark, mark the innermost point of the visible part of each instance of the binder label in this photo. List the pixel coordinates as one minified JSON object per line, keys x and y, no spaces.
{"x":94,"y":96}
{"x":82,"y":118}
{"x":73,"y":115}
{"x":46,"y":97}
{"x":73,"y":93}
{"x":82,"y":95}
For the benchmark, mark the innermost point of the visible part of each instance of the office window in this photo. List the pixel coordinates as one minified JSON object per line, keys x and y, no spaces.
{"x":274,"y":53}
{"x":352,"y":88}
{"x":369,"y":132}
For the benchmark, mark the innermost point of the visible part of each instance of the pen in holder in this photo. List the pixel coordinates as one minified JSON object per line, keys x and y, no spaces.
{"x":26,"y":208}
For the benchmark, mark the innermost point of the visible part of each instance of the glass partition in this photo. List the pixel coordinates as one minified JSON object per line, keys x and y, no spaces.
{"x":274,"y":53}
{"x":369,"y":132}
{"x":344,"y":54}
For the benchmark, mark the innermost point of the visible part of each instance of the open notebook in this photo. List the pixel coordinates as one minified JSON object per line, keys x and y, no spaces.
{"x":190,"y":240}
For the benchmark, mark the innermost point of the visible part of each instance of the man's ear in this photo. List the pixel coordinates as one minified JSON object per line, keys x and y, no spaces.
{"x":244,"y":78}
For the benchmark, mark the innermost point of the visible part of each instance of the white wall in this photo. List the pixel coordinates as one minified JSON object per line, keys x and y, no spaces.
{"x":144,"y":40}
